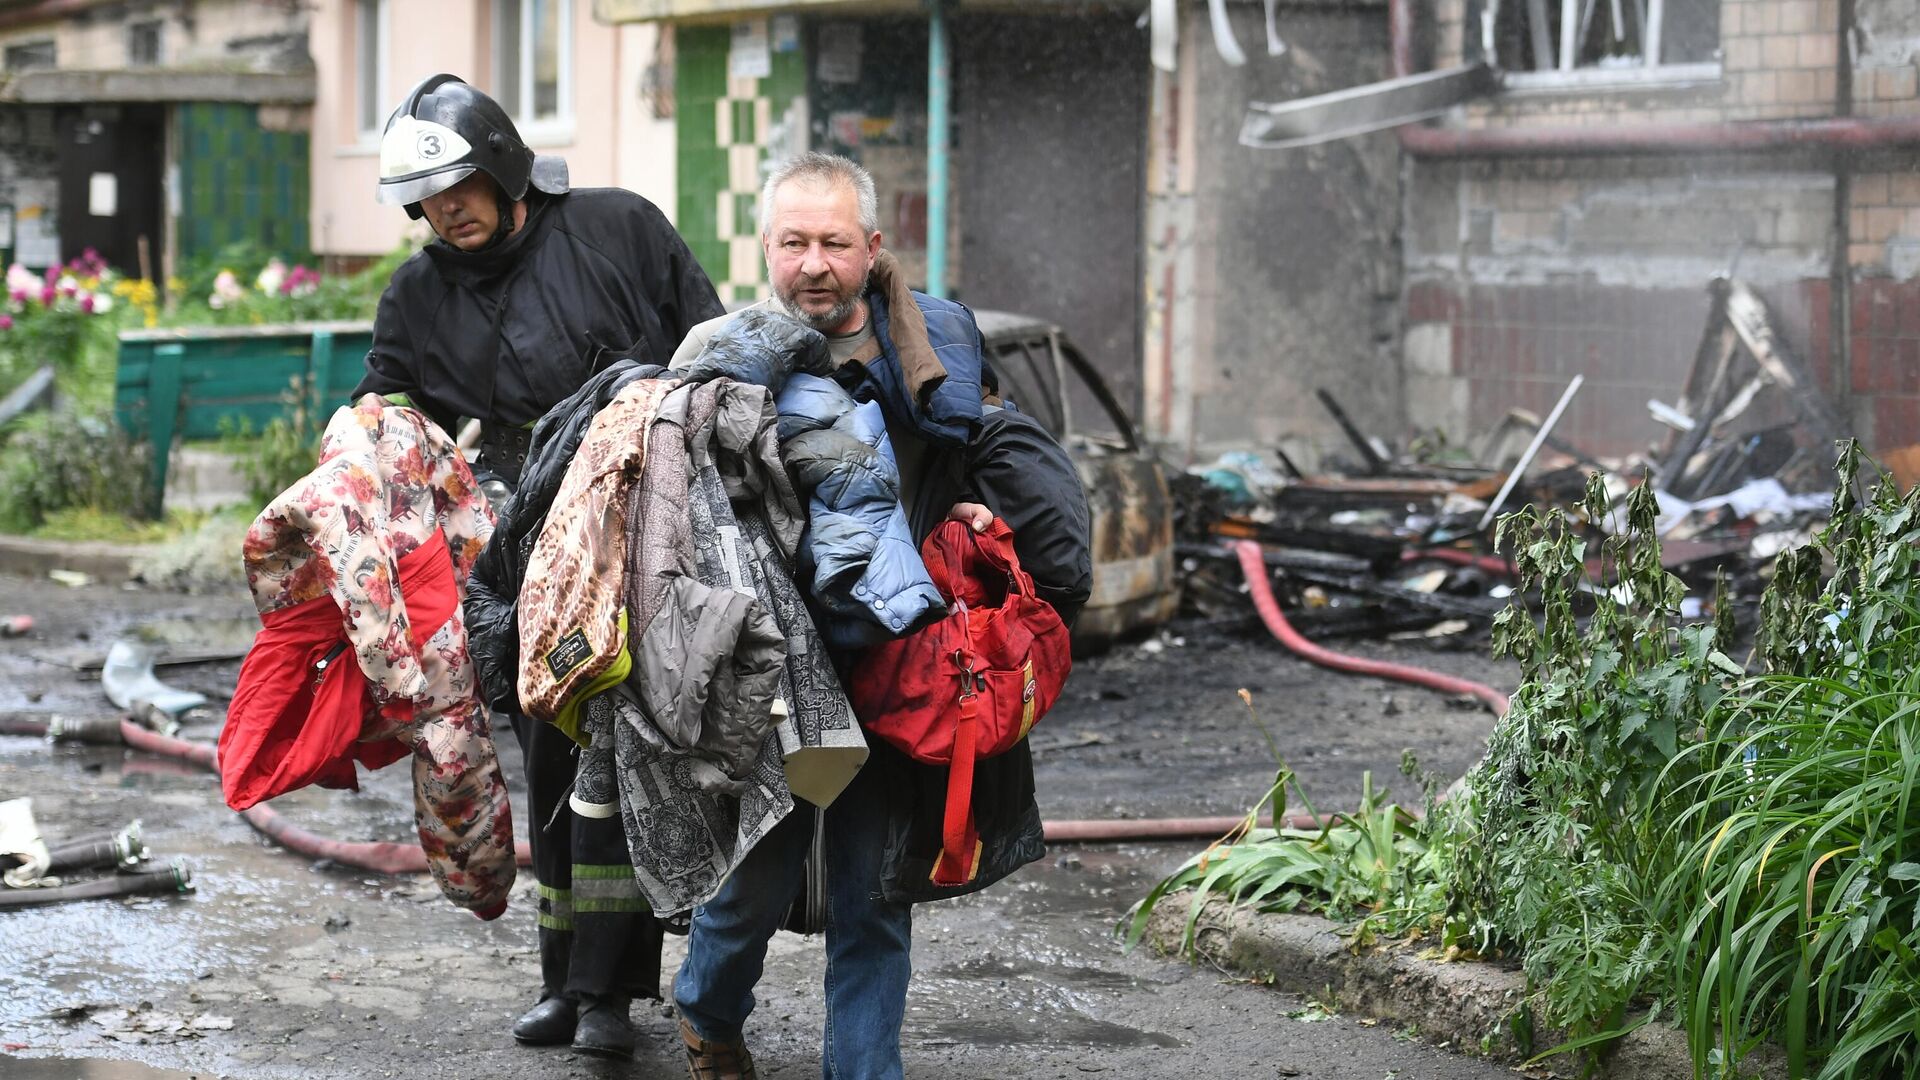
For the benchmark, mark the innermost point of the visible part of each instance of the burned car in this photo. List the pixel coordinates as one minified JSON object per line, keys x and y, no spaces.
{"x":1042,"y":372}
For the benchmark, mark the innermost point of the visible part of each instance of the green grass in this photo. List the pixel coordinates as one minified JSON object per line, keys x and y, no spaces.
{"x":83,"y":524}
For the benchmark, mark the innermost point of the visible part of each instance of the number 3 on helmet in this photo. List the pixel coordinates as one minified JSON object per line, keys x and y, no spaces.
{"x":445,"y":131}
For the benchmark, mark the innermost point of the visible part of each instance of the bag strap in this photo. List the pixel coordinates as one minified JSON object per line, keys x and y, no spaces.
{"x":959,"y":858}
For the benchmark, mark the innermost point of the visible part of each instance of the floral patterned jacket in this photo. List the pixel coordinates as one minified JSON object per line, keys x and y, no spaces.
{"x":387,"y":481}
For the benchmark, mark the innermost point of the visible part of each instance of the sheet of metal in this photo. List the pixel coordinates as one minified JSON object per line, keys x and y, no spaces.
{"x":1533,"y":448}
{"x":1223,"y":40}
{"x":1361,"y":109}
{"x":1163,"y":17}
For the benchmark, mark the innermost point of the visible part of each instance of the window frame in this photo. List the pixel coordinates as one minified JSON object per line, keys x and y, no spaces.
{"x":15,"y":48}
{"x":1567,"y":76}
{"x":159,"y":28}
{"x":370,"y":109}
{"x":537,"y":130}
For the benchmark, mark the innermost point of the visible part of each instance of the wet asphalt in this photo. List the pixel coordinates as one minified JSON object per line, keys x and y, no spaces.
{"x":324,"y":972}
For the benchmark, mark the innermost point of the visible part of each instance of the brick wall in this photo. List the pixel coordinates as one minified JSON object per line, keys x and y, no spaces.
{"x":1522,"y":272}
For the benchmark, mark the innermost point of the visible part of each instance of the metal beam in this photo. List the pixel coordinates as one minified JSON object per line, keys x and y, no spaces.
{"x":939,"y":117}
{"x":58,"y":87}
{"x":1361,"y":109}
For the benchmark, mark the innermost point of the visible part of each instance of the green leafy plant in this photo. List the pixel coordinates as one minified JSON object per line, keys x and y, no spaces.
{"x":245,"y":285}
{"x":283,"y":452}
{"x":1652,"y":826}
{"x":67,"y":319}
{"x":1801,"y":871}
{"x":1564,"y":848}
{"x":69,"y":459}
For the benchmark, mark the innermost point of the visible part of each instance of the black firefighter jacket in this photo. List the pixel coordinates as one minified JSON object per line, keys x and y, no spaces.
{"x":505,"y":334}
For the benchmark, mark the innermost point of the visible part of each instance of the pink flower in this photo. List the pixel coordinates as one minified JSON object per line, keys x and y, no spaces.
{"x":86,"y":303}
{"x":6,"y":322}
{"x":22,"y":279}
{"x":17,"y":295}
{"x":47,"y":296}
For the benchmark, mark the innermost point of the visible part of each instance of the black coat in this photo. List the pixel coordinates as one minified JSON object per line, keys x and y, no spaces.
{"x":505,"y":334}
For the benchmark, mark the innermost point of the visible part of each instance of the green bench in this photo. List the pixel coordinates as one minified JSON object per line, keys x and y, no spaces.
{"x":183,"y":383}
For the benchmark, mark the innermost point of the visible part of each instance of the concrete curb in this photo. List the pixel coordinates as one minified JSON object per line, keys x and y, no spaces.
{"x":111,"y":563}
{"x":1466,"y":1005}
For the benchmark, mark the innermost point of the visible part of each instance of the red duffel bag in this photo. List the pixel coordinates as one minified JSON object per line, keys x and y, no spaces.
{"x":971,"y":685}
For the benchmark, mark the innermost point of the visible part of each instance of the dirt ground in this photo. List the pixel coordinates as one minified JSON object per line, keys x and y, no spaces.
{"x":277,"y":967}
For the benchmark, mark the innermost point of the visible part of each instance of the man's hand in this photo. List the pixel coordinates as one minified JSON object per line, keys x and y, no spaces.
{"x":976,"y":516}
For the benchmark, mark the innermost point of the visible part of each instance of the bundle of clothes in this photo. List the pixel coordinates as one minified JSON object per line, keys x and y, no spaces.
{"x":357,"y":572}
{"x":684,"y":552}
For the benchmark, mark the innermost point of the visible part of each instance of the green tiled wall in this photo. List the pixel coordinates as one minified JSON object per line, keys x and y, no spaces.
{"x":703,"y":168}
{"x":239,"y":182}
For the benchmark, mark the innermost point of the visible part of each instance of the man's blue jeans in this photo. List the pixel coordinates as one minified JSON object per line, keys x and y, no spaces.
{"x":868,"y":937}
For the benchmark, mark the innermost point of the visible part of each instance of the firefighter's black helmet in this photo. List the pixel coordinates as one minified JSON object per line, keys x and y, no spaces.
{"x":441,"y":134}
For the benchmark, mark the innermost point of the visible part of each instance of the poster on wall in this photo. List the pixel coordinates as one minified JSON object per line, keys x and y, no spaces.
{"x":839,"y":59}
{"x":786,"y":33}
{"x":750,"y":56}
{"x":103,"y":194}
{"x":36,"y":237}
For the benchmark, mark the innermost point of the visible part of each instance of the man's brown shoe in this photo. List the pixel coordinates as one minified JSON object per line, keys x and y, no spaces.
{"x":713,"y":1059}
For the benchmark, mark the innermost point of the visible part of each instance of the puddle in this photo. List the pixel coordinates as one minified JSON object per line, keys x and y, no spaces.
{"x":87,"y":1069}
{"x":1069,"y":1029}
{"x":1090,"y":978}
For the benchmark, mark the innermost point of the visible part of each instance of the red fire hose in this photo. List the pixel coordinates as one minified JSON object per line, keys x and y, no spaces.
{"x":1492,"y":564}
{"x":1255,"y":568}
{"x":378,"y":856}
{"x":405,"y":858}
{"x":1190,"y":828}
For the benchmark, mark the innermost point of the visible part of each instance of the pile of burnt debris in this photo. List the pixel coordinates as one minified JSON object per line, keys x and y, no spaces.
{"x":1402,"y":543}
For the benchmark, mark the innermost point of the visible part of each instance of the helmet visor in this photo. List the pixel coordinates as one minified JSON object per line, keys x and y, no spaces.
{"x":406,"y":190}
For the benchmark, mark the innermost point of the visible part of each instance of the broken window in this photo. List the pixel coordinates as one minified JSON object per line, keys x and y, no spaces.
{"x":532,"y":47}
{"x":1566,"y":35}
{"x":30,"y":55}
{"x":143,"y":44}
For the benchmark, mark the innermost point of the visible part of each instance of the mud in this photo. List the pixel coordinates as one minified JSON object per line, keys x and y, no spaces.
{"x":328,"y":973}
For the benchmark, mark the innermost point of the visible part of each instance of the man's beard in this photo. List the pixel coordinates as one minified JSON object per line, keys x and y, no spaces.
{"x":835,"y":316}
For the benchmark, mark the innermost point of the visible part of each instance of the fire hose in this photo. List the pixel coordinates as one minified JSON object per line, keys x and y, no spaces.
{"x":382,"y":857}
{"x":1255,"y":569}
{"x":1254,"y":566}
{"x":393,"y":858}
{"x":167,"y":879}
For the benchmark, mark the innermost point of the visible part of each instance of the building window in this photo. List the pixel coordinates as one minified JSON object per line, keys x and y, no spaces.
{"x":31,"y":55}
{"x":143,"y":43}
{"x":1620,"y":36}
{"x":533,"y":46}
{"x":370,"y":64}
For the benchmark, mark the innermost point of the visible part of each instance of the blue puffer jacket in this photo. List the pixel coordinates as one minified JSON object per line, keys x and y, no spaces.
{"x":858,"y":558}
{"x":859,"y":564}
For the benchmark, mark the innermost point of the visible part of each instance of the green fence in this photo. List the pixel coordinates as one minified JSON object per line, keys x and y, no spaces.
{"x":185,"y":383}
